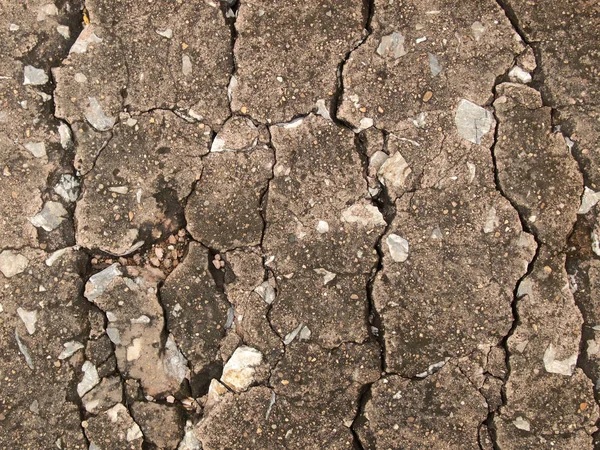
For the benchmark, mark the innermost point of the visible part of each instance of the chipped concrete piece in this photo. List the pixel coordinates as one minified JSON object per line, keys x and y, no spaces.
{"x":398,"y":247}
{"x":70,"y":348}
{"x":34,"y":76}
{"x":99,"y":282}
{"x":519,"y":75}
{"x":472,"y":121}
{"x":37,"y":149}
{"x":553,"y":365}
{"x":238,"y":373}
{"x":12,"y":263}
{"x":589,"y":199}
{"x":96,"y":116}
{"x":89,"y":380}
{"x":392,"y":46}
{"x":50,"y":217}
{"x":29,"y":318}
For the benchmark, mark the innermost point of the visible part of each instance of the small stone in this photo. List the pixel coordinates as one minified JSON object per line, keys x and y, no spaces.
{"x":167,"y":33}
{"x":472,"y":121}
{"x":427,"y":96}
{"x":434,"y":65}
{"x":398,"y":247}
{"x":522,"y":424}
{"x":50,"y":217}
{"x":518,"y":75}
{"x":63,"y":30}
{"x":29,"y":318}
{"x":70,"y":348}
{"x":90,"y":378}
{"x":322,"y":227}
{"x":238,"y":372}
{"x":12,"y":263}
{"x":34,"y":76}
{"x":68,"y":188}
{"x":589,"y":200}
{"x":392,"y":45}
{"x":96,"y":116}
{"x":37,"y":149}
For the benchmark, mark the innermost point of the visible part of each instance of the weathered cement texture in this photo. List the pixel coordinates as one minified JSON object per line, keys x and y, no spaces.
{"x":454,"y":238}
{"x":538,"y":174}
{"x":419,"y":414}
{"x":320,"y":233}
{"x":132,"y":195}
{"x":547,"y":396}
{"x":42,"y":316}
{"x":276,"y":78}
{"x":321,"y":225}
{"x":155,"y":55}
{"x":425,"y":56}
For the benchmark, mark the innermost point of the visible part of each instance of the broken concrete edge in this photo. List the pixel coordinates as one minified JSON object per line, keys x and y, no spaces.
{"x":537,"y":85}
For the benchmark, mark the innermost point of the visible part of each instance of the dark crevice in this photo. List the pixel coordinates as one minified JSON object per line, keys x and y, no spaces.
{"x":489,"y":422}
{"x":386,"y":208}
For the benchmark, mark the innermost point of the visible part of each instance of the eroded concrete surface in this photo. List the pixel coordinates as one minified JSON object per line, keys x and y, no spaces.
{"x":321,"y":225}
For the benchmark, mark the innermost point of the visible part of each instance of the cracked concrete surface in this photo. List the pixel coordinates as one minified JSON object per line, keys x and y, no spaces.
{"x":243,"y":224}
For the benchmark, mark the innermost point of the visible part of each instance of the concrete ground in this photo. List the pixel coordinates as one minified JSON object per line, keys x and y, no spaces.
{"x":301,"y":224}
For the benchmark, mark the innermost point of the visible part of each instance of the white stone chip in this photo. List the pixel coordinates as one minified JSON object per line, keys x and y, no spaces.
{"x":478,"y":29}
{"x":86,"y":37}
{"x":189,"y":441}
{"x":289,"y":338}
{"x":50,"y":217}
{"x":238,"y":372}
{"x":66,"y":138}
{"x":89,"y":380}
{"x":518,"y":75}
{"x":305,"y":334}
{"x":434,"y":65}
{"x":100,"y":281}
{"x":392,"y":45}
{"x":472,"y":121}
{"x":56,"y":256}
{"x":322,"y":109}
{"x":522,"y":424}
{"x":589,"y":200}
{"x":398,"y":247}
{"x":24,"y":350}
{"x":29,"y":318}
{"x":34,"y":76}
{"x":322,"y":227}
{"x":266,"y":292}
{"x":364,"y":214}
{"x":174,"y":363}
{"x":553,"y":365}
{"x":327,"y":275}
{"x":491,"y":221}
{"x":96,"y":116}
{"x":186,"y":65}
{"x":167,"y":33}
{"x":394,"y":171}
{"x":12,"y":263}
{"x":595,"y":242}
{"x":67,"y":187}
{"x":64,"y":31}
{"x":70,"y":348}
{"x":44,"y":11}
{"x":37,"y":149}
